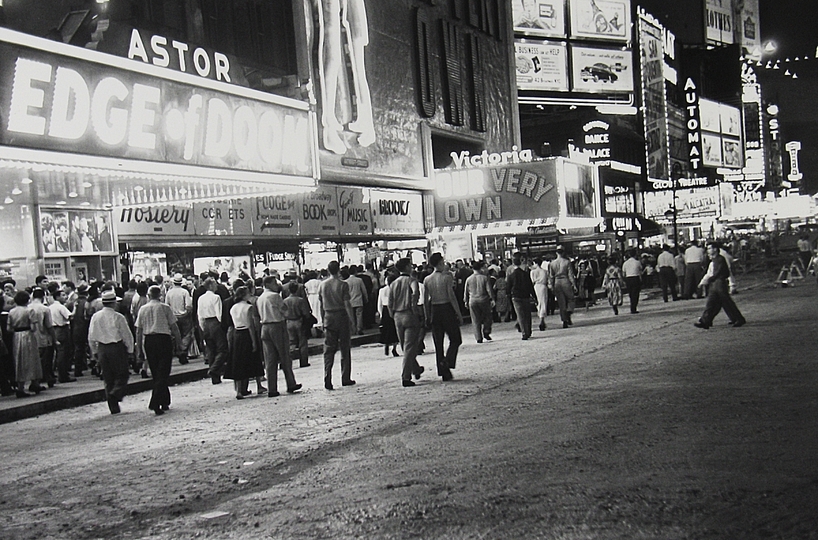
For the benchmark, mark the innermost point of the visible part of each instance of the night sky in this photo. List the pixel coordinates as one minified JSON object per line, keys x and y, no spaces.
{"x":792,"y":24}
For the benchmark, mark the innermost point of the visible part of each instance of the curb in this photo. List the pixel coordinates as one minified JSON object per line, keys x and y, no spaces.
{"x":30,"y":410}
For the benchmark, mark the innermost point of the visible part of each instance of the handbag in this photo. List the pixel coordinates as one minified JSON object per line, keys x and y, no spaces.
{"x":308,"y":320}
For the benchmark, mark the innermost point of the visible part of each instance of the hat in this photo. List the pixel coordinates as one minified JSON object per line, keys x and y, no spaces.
{"x":560,"y":248}
{"x":82,"y":289}
{"x":177,"y":279}
{"x":109,"y":297}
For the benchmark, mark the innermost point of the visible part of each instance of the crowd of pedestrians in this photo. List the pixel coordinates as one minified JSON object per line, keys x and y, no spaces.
{"x":249,"y":330}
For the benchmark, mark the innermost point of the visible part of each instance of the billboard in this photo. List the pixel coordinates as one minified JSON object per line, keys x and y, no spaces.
{"x":721,"y":131}
{"x":597,"y":70}
{"x":76,"y":232}
{"x":601,"y":19}
{"x":541,"y":65}
{"x":396,"y":212}
{"x":719,"y":21}
{"x":554,"y":188}
{"x":654,"y":98}
{"x":543,"y":18}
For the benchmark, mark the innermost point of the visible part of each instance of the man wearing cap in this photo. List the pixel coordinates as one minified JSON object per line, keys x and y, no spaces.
{"x":210,"y":321}
{"x":562,"y":281}
{"x":111,"y":343}
{"x":180,"y":301}
{"x":156,"y":332}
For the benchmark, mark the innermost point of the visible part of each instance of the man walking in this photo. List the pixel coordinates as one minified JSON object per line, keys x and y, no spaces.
{"x":111,"y":343}
{"x":156,"y":333}
{"x":443,"y":312}
{"x":520,"y":290}
{"x":632,"y":270}
{"x":210,"y":321}
{"x":180,"y":301}
{"x":338,"y":318}
{"x":694,"y":270}
{"x":563,"y":282}
{"x":403,"y":305}
{"x":667,"y":273}
{"x":480,"y":299}
{"x":718,"y":295}
{"x":275,"y":341}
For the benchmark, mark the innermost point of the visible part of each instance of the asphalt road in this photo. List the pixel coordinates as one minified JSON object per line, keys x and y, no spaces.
{"x":636,"y":426}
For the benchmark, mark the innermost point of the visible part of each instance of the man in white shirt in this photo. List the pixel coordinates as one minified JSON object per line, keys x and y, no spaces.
{"x":180,"y":301}
{"x":632,"y":270}
{"x":111,"y":343}
{"x":357,"y":298}
{"x":275,"y":340}
{"x":210,"y":321}
{"x":61,"y":322}
{"x":667,"y":273}
{"x":694,"y":270}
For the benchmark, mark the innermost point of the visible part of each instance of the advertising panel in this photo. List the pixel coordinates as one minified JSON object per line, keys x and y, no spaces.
{"x":354,"y":214}
{"x":233,"y":266}
{"x":747,"y":30}
{"x":711,"y":150}
{"x":318,"y":213}
{"x":89,"y":103}
{"x":175,"y":220}
{"x":519,"y":191}
{"x":396,"y":212}
{"x":601,"y":19}
{"x":541,"y":66}
{"x":76,"y":232}
{"x":719,"y":21}
{"x":651,"y":55}
{"x":721,"y":132}
{"x":276,"y":215}
{"x":149,"y":264}
{"x":544,"y":18}
{"x":601,"y":70}
{"x":224,"y":218}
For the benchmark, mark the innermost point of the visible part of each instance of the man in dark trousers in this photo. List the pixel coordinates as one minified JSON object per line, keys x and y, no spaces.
{"x":443,"y":312}
{"x":156,"y":333}
{"x":520,"y":289}
{"x":404,"y":293}
{"x":339,"y":321}
{"x":718,"y":295}
{"x":111,"y":343}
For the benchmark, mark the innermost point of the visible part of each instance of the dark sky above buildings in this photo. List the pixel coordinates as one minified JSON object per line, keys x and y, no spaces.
{"x":792,"y":24}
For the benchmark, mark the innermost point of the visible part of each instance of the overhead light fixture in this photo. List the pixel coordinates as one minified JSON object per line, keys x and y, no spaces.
{"x":16,"y":191}
{"x":8,"y":200}
{"x":73,"y":194}
{"x":61,"y":203}
{"x":85,"y":203}
{"x":26,"y":180}
{"x":87,"y":185}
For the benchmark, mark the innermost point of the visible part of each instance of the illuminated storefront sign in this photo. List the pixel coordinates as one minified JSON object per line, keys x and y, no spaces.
{"x":464,"y":159}
{"x":396,"y":212}
{"x":73,"y":104}
{"x":792,"y":148}
{"x":692,"y":114}
{"x":177,"y":55}
{"x":719,"y":21}
{"x":519,"y":192}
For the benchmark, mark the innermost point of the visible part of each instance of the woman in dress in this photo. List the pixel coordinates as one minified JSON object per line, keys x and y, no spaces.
{"x":244,"y":362}
{"x":389,"y":334}
{"x":311,"y":285}
{"x":27,"y":366}
{"x":612,"y":283}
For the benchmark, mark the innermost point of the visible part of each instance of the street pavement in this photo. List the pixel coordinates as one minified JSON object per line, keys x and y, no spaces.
{"x":636,"y":426}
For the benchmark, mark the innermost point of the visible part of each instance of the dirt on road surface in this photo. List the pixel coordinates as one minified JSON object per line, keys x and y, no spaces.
{"x":636,"y":426}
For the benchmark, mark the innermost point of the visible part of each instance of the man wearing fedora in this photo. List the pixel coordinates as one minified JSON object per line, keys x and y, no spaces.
{"x":111,"y":344}
{"x":180,"y":301}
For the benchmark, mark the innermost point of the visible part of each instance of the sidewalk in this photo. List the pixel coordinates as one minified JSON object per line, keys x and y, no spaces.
{"x":89,"y":389}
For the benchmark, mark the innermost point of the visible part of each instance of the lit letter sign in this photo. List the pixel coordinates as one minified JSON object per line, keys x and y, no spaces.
{"x":793,"y":148}
{"x":97,"y":106}
{"x":693,"y":137}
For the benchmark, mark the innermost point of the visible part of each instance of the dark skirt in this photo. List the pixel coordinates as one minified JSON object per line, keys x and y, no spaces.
{"x":389,"y":334}
{"x":243,"y":363}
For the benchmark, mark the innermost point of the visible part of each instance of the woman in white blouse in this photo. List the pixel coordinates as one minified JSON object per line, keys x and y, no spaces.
{"x":244,"y":362}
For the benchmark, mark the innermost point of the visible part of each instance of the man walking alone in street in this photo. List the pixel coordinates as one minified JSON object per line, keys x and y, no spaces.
{"x":339,"y":320}
{"x":718,"y":295}
{"x":156,"y":334}
{"x":111,"y":343}
{"x":443,"y":312}
{"x":632,"y":270}
{"x":403,"y":305}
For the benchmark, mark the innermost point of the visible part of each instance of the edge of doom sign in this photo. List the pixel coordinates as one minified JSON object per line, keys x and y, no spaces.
{"x":495,"y":194}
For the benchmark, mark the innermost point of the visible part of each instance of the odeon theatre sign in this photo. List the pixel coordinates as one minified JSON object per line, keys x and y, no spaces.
{"x":54,"y":97}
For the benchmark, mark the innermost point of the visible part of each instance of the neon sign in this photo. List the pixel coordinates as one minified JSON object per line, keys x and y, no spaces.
{"x":53,"y":102}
